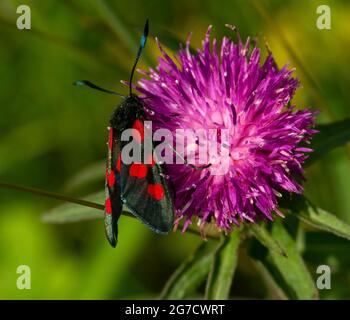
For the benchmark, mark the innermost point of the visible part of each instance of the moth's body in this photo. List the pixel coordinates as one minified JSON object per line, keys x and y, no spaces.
{"x":142,"y":187}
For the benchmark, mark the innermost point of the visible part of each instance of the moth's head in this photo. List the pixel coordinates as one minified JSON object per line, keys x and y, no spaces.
{"x":134,"y":103}
{"x":132,"y":99}
{"x":130,"y":109}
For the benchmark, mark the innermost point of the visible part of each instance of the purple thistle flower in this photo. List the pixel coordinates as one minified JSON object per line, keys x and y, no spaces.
{"x":228,"y":88}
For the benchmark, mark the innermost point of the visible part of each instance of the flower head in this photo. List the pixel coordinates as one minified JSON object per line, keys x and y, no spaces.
{"x":228,"y":88}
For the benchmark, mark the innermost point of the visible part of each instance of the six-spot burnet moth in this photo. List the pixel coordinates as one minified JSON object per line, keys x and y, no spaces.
{"x":141,"y":187}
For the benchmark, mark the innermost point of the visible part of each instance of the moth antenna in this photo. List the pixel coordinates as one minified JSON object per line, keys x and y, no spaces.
{"x":142,"y":45}
{"x":96,"y":87}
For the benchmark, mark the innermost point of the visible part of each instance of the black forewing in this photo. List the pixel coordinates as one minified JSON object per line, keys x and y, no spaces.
{"x":113,"y":191}
{"x":156,"y":214}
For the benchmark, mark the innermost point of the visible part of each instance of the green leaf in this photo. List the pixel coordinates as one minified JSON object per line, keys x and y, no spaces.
{"x":223,"y":268}
{"x":263,"y":236}
{"x":92,"y":173}
{"x":71,"y":212}
{"x":191,"y":273}
{"x":331,"y":136}
{"x":290,"y":272}
{"x":274,"y":291}
{"x":317,"y":217}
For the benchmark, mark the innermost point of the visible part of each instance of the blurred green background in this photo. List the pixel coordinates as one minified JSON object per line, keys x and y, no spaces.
{"x":53,"y":135}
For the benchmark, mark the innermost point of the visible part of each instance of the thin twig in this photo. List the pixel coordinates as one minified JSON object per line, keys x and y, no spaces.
{"x":81,"y":202}
{"x":52,"y":195}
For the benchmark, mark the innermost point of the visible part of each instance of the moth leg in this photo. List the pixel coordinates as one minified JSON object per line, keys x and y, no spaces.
{"x":185,"y":161}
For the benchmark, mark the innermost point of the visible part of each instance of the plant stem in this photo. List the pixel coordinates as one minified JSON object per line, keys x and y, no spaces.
{"x":82,"y":202}
{"x":51,"y":195}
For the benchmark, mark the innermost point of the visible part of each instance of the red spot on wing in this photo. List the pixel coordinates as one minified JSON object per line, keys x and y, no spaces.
{"x":108,"y":206}
{"x":138,"y":125}
{"x":110,"y":138}
{"x":138,"y":170}
{"x":156,"y":191}
{"x":118,"y":165}
{"x":111,"y":179}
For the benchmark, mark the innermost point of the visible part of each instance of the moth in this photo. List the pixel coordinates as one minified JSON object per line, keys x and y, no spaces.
{"x":141,"y":187}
